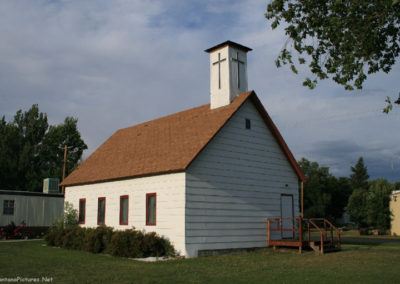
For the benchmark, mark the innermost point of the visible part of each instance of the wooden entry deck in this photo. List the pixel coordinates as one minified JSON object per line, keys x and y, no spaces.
{"x":303,"y":232}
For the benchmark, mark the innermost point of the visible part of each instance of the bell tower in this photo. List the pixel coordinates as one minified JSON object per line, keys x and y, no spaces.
{"x":228,"y":72}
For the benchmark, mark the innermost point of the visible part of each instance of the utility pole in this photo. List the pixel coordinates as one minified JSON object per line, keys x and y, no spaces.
{"x":302,"y":200}
{"x":65,"y":164}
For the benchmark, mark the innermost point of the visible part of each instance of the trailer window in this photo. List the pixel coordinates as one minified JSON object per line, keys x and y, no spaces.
{"x":8,"y":207}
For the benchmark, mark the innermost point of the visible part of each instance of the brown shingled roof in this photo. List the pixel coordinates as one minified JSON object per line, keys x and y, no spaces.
{"x":165,"y":145}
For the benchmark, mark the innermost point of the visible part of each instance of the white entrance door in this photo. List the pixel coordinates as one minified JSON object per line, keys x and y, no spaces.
{"x":287,"y":212}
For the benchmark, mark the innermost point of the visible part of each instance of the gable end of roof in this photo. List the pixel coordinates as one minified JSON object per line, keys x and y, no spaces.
{"x":272,"y":127}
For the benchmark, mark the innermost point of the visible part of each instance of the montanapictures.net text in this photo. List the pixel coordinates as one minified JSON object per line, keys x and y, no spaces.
{"x":27,"y":279}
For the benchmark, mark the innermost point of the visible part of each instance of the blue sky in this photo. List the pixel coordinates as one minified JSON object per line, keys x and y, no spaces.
{"x":113,"y":64}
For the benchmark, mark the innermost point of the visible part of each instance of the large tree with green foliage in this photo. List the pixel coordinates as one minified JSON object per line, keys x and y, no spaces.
{"x":31,"y":150}
{"x":345,"y":39}
{"x":357,"y":207}
{"x":358,"y":201}
{"x":378,"y":204}
{"x":324,"y":195}
{"x":359,"y":177}
{"x":370,"y":207}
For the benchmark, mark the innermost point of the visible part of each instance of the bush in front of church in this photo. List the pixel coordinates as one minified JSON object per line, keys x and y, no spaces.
{"x":103,"y":239}
{"x":97,"y":240}
{"x":127,"y":243}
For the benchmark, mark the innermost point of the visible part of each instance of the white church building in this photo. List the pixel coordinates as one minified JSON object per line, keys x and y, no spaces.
{"x":206,"y":178}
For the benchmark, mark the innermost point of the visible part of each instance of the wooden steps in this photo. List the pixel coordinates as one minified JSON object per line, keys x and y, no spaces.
{"x":304,"y":234}
{"x":327,"y":247}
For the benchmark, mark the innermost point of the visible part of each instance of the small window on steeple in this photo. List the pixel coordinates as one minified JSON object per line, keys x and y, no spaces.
{"x":248,"y":123}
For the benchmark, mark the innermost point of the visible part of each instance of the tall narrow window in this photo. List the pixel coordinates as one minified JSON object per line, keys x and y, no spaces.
{"x":8,"y":207}
{"x":248,"y":123}
{"x":151,"y":209}
{"x":82,"y":210}
{"x":101,"y":211}
{"x":123,"y":209}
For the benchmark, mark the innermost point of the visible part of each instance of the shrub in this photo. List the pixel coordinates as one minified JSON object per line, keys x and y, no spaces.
{"x":128,"y":243}
{"x":50,"y":237}
{"x":98,"y":240}
{"x":154,"y":245}
{"x":72,"y":237}
{"x":69,"y":218}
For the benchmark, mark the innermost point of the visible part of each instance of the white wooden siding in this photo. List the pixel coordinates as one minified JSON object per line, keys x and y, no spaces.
{"x":235,"y":184}
{"x":170,"y":206}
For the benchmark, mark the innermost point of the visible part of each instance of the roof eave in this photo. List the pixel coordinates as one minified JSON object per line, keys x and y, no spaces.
{"x":230,"y":43}
{"x":67,"y":184}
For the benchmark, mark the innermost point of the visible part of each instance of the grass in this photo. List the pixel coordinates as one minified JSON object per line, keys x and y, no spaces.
{"x":356,"y":263}
{"x":356,"y":234}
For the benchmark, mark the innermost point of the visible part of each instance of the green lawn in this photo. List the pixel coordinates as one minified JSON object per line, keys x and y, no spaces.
{"x":356,"y":234}
{"x":356,"y":263}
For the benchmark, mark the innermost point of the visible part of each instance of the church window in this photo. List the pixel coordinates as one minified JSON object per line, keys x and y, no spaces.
{"x":123,"y":209}
{"x":151,"y":209}
{"x":101,"y":211}
{"x":82,"y":211}
{"x":248,"y":123}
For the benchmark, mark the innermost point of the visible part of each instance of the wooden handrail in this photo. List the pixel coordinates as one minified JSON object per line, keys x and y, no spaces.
{"x":278,"y":224}
{"x":301,"y":225}
{"x":331,"y":228}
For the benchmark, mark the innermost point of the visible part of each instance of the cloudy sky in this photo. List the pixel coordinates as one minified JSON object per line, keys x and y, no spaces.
{"x":113,"y":64}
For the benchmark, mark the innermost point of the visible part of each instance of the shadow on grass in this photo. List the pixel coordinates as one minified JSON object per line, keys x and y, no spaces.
{"x":375,"y":244}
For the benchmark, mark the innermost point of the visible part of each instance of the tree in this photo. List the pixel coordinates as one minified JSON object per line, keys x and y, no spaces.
{"x":341,"y":190}
{"x":9,"y":147}
{"x":57,"y":137}
{"x":68,"y":219}
{"x":316,"y":199}
{"x":346,"y":39}
{"x":30,"y":150}
{"x":359,"y":177}
{"x":324,"y":195}
{"x":378,"y":204}
{"x":357,"y":207}
{"x":20,"y":142}
{"x":370,"y":208}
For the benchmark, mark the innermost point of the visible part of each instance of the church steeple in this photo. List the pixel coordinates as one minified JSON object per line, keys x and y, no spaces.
{"x":228,"y":72}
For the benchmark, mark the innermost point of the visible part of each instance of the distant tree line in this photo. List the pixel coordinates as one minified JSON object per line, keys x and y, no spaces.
{"x":31,"y":149}
{"x":367,"y":202}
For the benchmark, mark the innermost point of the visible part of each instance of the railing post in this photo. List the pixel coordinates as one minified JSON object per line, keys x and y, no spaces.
{"x":301,"y":234}
{"x":322,"y":242}
{"x":268,"y":232}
